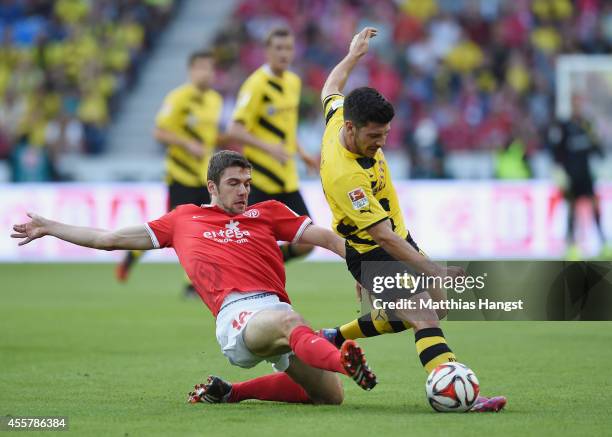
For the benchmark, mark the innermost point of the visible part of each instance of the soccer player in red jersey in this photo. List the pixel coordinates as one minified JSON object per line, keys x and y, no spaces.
{"x":231,"y":255}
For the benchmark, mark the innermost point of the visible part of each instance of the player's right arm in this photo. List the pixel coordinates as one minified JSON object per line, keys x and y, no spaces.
{"x":402,"y":251}
{"x":133,"y":237}
{"x":353,"y":195}
{"x":238,"y":132}
{"x":167,"y":137}
{"x":337,"y":78}
{"x":168,"y":118}
{"x":248,"y":107}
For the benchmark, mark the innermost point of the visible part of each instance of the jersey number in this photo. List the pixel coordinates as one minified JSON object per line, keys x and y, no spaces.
{"x":239,"y":322}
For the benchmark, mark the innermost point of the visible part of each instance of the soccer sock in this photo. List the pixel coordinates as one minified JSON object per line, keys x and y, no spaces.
{"x":314,"y":350}
{"x":370,"y":325}
{"x":275,"y":387}
{"x":136,"y":255}
{"x":432,"y":348}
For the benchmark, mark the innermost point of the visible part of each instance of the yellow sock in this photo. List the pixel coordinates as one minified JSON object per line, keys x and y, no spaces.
{"x":432,"y":348}
{"x":370,"y":325}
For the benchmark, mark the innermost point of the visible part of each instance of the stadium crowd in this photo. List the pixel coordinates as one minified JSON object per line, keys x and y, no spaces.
{"x":63,"y":66}
{"x":462,"y":74}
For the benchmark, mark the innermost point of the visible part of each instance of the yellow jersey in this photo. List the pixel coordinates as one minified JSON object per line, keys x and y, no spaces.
{"x":267,"y":105}
{"x":189,"y":112}
{"x":358,"y":189}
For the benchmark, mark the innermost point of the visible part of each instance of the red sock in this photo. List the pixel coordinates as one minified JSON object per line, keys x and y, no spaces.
{"x":314,"y":350}
{"x":275,"y":387}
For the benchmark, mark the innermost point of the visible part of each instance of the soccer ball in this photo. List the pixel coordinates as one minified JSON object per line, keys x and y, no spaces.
{"x":452,"y":387}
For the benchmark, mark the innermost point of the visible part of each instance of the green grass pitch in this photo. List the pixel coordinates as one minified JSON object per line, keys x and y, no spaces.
{"x":120,"y":359}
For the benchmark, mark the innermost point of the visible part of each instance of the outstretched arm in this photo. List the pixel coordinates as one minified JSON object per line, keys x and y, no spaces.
{"x":319,"y":236}
{"x":133,"y":237}
{"x":337,"y":78}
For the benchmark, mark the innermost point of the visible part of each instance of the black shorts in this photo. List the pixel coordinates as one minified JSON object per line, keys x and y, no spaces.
{"x":293,"y":199}
{"x":379,"y":263}
{"x":581,"y":187}
{"x":183,"y":195}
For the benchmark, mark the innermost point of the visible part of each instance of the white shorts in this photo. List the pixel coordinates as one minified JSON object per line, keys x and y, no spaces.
{"x":236,"y":310}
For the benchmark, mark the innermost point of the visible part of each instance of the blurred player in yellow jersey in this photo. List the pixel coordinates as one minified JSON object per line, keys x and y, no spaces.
{"x":265,"y":122}
{"x":187,"y":124}
{"x":366,"y":212}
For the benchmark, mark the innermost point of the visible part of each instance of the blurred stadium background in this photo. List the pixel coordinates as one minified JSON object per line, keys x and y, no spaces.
{"x":80,"y":83}
{"x":474,"y":83}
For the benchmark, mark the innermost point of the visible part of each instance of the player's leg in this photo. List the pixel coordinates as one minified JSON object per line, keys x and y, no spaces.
{"x":272,"y":333}
{"x":300,"y":383}
{"x":376,"y":322}
{"x":131,"y":257}
{"x":278,"y":387}
{"x":572,"y":251}
{"x":373,"y":324}
{"x":321,"y":386}
{"x":433,"y":350}
{"x":606,"y":249}
{"x":431,"y":345}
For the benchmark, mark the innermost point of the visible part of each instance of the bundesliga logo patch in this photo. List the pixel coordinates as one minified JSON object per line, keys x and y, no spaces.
{"x":358,"y":198}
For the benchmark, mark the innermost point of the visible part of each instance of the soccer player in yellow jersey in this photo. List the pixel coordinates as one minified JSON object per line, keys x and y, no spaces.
{"x":265,"y":122}
{"x":187,"y":124}
{"x":366,"y":212}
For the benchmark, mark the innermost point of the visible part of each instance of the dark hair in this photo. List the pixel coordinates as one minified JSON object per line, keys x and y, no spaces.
{"x":200,"y":54}
{"x":222,"y":160}
{"x":277,"y":32}
{"x":365,"y":104}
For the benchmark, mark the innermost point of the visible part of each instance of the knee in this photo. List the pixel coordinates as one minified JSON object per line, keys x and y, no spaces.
{"x":423,"y":324}
{"x":442,"y":313}
{"x":290,"y":320}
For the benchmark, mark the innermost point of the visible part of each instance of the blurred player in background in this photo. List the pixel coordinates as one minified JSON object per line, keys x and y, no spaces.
{"x":187,"y":125}
{"x":230,"y":252}
{"x":265,"y":122}
{"x":366,"y":212}
{"x":573,"y":143}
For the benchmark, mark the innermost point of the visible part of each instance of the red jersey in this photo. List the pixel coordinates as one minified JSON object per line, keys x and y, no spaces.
{"x":223,"y":253}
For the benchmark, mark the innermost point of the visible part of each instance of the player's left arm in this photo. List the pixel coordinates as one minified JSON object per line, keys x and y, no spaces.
{"x":133,"y":237}
{"x":322,"y":237}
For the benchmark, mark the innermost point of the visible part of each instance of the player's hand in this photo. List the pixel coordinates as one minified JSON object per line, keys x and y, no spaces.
{"x":361,"y":41}
{"x":312,"y":163}
{"x":31,"y":230}
{"x":196,"y":149}
{"x":278,"y":152}
{"x":453,"y":271}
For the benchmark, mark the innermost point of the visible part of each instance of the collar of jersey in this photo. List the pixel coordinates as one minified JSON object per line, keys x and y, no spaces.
{"x":220,"y":210}
{"x":195,"y":88}
{"x":266,"y":68}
